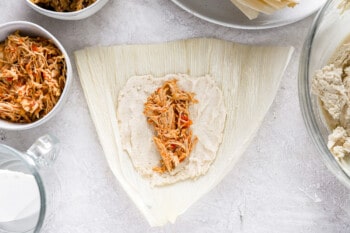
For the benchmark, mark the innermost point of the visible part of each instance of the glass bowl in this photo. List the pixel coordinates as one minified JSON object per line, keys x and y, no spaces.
{"x":327,"y":33}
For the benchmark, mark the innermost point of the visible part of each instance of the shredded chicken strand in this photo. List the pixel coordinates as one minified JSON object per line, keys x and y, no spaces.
{"x":63,"y":5}
{"x":32,"y":77}
{"x":167,"y":110}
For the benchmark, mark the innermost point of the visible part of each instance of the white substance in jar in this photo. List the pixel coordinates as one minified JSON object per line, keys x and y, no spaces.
{"x":19,"y":196}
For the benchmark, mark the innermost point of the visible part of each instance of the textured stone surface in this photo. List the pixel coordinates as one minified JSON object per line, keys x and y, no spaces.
{"x":279,"y":185}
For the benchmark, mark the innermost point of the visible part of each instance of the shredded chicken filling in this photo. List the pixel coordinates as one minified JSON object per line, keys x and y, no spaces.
{"x":167,"y":110}
{"x":64,"y":5}
{"x":32,"y":77}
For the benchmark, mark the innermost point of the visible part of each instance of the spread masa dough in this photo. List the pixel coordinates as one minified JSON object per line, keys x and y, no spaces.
{"x":208,"y":116}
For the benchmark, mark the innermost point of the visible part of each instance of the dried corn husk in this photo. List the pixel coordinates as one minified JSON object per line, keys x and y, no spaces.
{"x":344,"y":5}
{"x":252,"y":8}
{"x":248,"y":77}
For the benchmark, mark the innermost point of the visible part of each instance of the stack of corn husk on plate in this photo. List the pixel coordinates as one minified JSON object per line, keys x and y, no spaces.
{"x":252,"y":8}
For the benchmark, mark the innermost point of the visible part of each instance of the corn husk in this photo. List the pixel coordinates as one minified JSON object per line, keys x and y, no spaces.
{"x":344,"y":5}
{"x":248,"y":77}
{"x":252,"y":8}
{"x":249,"y":12}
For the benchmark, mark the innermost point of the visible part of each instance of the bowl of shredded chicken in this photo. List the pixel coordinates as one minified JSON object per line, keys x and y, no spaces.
{"x":67,"y":9}
{"x":35,"y":72}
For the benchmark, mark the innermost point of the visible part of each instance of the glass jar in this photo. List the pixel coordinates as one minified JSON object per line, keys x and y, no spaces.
{"x":24,"y":189}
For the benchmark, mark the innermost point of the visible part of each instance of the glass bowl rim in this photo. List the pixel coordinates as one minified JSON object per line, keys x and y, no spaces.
{"x":305,"y":102}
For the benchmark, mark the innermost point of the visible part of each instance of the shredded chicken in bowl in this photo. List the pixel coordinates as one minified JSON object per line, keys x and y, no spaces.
{"x":64,"y":5}
{"x":167,"y":110}
{"x":32,"y":77}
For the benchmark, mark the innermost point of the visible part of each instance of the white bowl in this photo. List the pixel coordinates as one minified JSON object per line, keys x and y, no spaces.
{"x":30,"y":29}
{"x":75,"y":15}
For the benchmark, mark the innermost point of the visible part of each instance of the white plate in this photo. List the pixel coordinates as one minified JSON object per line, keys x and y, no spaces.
{"x":223,"y":12}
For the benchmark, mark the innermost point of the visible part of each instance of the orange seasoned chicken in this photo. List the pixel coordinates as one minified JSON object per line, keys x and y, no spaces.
{"x":32,"y":77}
{"x":167,"y":110}
{"x":64,"y":5}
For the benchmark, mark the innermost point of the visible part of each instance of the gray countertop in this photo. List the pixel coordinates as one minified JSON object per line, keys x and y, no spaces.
{"x":279,"y":185}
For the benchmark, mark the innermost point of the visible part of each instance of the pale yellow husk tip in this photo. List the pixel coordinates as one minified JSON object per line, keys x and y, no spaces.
{"x":344,"y":5}
{"x":252,"y":8}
